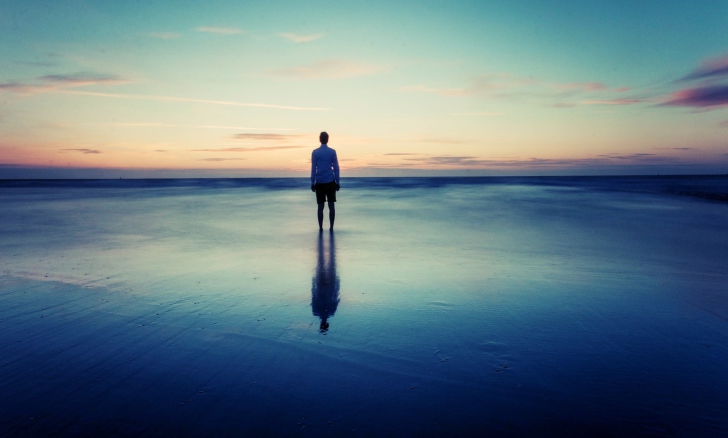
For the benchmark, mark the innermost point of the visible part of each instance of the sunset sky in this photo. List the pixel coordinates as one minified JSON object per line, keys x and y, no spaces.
{"x":222,"y":88}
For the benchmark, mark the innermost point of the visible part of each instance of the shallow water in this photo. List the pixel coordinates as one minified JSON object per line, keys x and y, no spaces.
{"x":451,"y":306}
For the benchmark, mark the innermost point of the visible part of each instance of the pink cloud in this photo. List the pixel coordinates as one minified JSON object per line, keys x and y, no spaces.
{"x":582,"y":86}
{"x":508,"y":86}
{"x":702,"y":97}
{"x":50,"y":83}
{"x":612,"y":102}
{"x":711,"y":67}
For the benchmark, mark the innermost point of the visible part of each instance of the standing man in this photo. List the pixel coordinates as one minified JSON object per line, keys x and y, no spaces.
{"x":325,"y":179}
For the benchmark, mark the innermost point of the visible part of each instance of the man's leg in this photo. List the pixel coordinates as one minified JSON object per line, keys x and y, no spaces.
{"x":332,"y":213}
{"x":321,"y":215}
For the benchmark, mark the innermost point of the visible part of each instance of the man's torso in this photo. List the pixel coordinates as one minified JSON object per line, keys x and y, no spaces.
{"x":323,"y":160}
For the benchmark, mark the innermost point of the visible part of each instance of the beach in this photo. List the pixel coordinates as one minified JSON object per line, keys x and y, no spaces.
{"x":452,"y":306}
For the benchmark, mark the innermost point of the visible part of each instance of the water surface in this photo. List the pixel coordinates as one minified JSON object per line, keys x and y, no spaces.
{"x":438,"y":306}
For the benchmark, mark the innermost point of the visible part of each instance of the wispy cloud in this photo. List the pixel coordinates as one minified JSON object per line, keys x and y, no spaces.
{"x":711,"y":96}
{"x":83,"y":151}
{"x":474,"y":162}
{"x":266,"y":137}
{"x":439,"y":91}
{"x":480,"y":113}
{"x":178,"y":125}
{"x":619,"y":101}
{"x":221,"y":159}
{"x":631,"y":157}
{"x":329,"y":69}
{"x":508,"y":86}
{"x":51,"y":83}
{"x":165,"y":35}
{"x":220,"y":30}
{"x":581,"y":86}
{"x":39,"y":63}
{"x":442,"y":140}
{"x":242,"y":128}
{"x":143,"y":124}
{"x":298,"y":38}
{"x":401,"y":153}
{"x":255,"y":149}
{"x":186,"y":99}
{"x":709,"y":68}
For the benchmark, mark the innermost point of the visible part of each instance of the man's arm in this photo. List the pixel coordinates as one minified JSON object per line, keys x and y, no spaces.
{"x":313,"y":172}
{"x":336,"y":168}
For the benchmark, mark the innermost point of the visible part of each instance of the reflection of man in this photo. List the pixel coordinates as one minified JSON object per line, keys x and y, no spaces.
{"x":325,"y":179}
{"x":325,"y":287}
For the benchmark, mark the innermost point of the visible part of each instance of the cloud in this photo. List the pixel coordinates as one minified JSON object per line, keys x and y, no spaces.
{"x":512,"y":87}
{"x":176,"y":125}
{"x":242,"y":127}
{"x":492,"y":85}
{"x":51,"y":83}
{"x":143,"y":124}
{"x":165,"y":35}
{"x":621,"y":101}
{"x":186,"y":99}
{"x":637,"y":156}
{"x":711,"y":96}
{"x":439,"y":91}
{"x":451,"y":160}
{"x":442,"y":140}
{"x":255,"y":149}
{"x":469,"y":161}
{"x":221,"y":159}
{"x":329,"y":69}
{"x":297,"y":38}
{"x":709,"y":68}
{"x":482,"y":113}
{"x":39,"y":63}
{"x":84,"y":151}
{"x":472,"y":161}
{"x":582,"y":86}
{"x":81,"y":79}
{"x":266,"y":137}
{"x":220,"y":30}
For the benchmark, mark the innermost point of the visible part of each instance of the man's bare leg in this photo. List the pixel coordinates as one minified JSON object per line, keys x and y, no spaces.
{"x":321,"y":216}
{"x":332,"y":214}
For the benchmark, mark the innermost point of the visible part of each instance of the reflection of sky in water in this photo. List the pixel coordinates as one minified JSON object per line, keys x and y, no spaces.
{"x":496,"y":293}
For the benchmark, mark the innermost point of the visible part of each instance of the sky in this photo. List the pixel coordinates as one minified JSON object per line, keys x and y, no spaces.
{"x":105,"y":89}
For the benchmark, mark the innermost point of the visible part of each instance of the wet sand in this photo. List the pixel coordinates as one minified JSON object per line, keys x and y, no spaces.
{"x":453,"y":307}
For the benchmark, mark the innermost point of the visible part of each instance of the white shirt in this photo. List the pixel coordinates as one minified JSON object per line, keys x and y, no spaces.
{"x":324,"y":165}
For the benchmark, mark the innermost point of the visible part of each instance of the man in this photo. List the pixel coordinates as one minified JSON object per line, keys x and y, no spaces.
{"x":325,"y":179}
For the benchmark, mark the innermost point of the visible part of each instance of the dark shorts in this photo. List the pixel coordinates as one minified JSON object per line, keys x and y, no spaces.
{"x":325,"y":192}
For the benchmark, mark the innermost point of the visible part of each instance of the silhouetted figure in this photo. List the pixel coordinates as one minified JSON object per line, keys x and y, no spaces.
{"x":325,"y":179}
{"x":325,"y":284}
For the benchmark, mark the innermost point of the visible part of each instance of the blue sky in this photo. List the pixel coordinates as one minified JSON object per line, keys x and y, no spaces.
{"x":242,"y":89}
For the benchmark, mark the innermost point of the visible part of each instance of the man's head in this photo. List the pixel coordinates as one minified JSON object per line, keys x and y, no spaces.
{"x":324,"y":137}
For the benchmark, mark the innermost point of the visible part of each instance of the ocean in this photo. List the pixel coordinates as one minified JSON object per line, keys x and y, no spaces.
{"x":551,"y":306}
